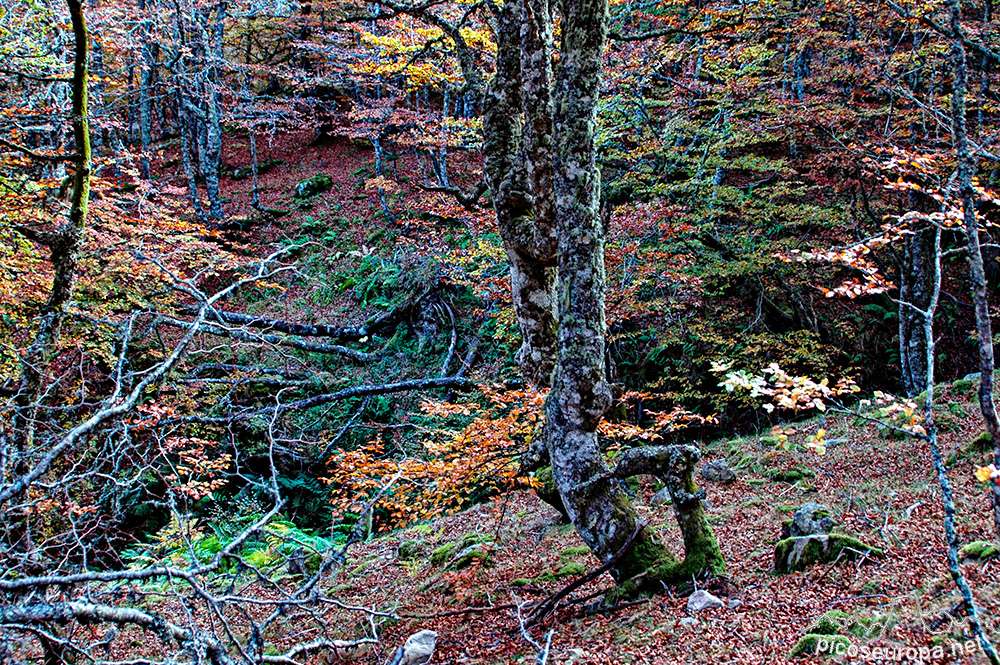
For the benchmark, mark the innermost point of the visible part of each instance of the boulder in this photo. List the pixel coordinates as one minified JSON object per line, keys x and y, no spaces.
{"x":418,"y":648}
{"x":718,"y":471}
{"x":799,"y":552}
{"x":811,"y":519}
{"x":703,"y":600}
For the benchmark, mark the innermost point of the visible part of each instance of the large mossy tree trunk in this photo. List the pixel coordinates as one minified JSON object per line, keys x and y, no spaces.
{"x":594,"y":500}
{"x":546,"y":187}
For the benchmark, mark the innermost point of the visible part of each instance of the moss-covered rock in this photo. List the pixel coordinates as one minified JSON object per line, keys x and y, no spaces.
{"x":981,"y":444}
{"x":811,"y":644}
{"x":979,"y":550}
{"x":464,"y":552}
{"x":812,"y":518}
{"x":798,"y":553}
{"x":411,"y":549}
{"x":313,"y":186}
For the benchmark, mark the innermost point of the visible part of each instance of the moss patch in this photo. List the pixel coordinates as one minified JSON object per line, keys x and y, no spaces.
{"x":411,"y":549}
{"x":810,"y":644}
{"x":829,"y":623}
{"x":571,"y":569}
{"x":571,"y":552}
{"x":981,"y":444}
{"x":963,"y":386}
{"x":792,"y":475}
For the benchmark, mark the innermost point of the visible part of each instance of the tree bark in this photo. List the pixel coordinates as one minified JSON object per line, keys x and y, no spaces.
{"x":64,"y":244}
{"x":595,"y":501}
{"x":916,"y":281}
{"x":977,"y":274}
{"x":543,"y":173}
{"x":530,"y":247}
{"x":213,"y":129}
{"x":145,"y":89}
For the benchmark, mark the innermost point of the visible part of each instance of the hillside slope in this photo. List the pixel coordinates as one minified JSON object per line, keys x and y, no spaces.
{"x":879,"y":489}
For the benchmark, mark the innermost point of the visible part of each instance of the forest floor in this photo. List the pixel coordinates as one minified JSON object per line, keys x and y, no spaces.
{"x":880,"y":489}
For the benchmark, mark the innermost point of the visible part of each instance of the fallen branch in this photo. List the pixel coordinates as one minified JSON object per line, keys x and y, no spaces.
{"x":244,"y":336}
{"x":326,"y":398}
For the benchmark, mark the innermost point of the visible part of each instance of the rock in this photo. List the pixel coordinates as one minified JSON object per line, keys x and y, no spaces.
{"x":972,"y":377}
{"x":979,"y":550}
{"x":419,"y":648}
{"x":735,"y":604}
{"x":981,"y":444}
{"x":703,"y":600}
{"x":411,"y":549}
{"x":812,"y":518}
{"x":689,"y":621}
{"x":310,"y":187}
{"x":800,"y":552}
{"x":718,"y":471}
{"x":661,"y":497}
{"x":463,"y":553}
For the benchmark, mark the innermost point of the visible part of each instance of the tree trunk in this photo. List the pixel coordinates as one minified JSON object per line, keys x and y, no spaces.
{"x":593,"y":497}
{"x":977,"y":274}
{"x":145,"y":90}
{"x":916,"y":282}
{"x":64,"y":245}
{"x":543,"y":173}
{"x":530,"y":249}
{"x":937,"y":460}
{"x":213,"y":130}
